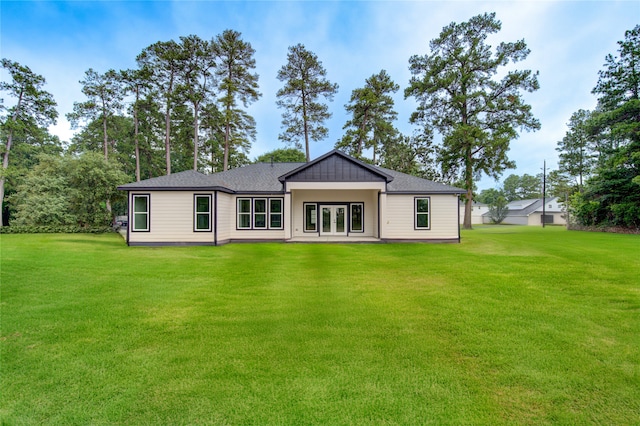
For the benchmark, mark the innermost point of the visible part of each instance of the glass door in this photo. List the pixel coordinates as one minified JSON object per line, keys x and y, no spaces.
{"x":334,"y":220}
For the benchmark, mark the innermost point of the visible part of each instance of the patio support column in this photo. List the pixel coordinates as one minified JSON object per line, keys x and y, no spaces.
{"x":382,"y":216}
{"x":288,"y":216}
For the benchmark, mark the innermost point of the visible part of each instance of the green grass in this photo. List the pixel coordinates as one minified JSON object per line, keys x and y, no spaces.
{"x":514,"y":325}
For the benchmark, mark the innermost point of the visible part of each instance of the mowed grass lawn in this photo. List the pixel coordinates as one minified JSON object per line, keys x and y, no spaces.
{"x":514,"y":325}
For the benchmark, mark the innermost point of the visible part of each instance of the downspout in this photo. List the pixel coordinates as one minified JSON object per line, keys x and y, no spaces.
{"x":215,"y":218}
{"x":128,"y":214}
{"x":379,"y":219}
{"x":458,"y":215}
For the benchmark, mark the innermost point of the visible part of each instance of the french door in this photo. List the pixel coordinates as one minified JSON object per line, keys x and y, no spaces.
{"x":333,"y":220}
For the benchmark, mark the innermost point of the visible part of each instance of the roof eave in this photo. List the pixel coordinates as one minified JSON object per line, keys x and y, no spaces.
{"x":176,"y":188}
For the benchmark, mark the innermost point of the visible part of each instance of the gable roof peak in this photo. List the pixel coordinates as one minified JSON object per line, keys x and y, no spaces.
{"x":337,"y":153}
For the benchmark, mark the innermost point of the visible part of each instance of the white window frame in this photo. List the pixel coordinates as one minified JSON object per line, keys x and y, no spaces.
{"x":280,"y":213}
{"x":196,"y":213}
{"x":264,"y":213}
{"x":416,"y":213}
{"x":253,"y":214}
{"x":134,"y":213}
{"x":239,"y":213}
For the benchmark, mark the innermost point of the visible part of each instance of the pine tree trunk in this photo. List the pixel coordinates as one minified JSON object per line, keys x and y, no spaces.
{"x":5,"y":165}
{"x":195,"y":138}
{"x":306,"y":127}
{"x":468,"y":175}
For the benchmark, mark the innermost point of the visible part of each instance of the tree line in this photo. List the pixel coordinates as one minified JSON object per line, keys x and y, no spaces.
{"x":600,"y":152}
{"x":185,"y":107}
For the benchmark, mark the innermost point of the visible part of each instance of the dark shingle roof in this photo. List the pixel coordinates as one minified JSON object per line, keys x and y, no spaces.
{"x":183,"y":180}
{"x":406,"y":183}
{"x":259,"y":177}
{"x":264,"y":178}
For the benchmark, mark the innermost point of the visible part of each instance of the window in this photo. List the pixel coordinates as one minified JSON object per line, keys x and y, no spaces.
{"x":140,"y":213}
{"x":202,"y":213}
{"x":260,"y":213}
{"x":356,"y":217}
{"x":244,"y":213}
{"x":275,"y":213}
{"x":422,"y":213}
{"x":310,"y":218}
{"x":547,"y":218}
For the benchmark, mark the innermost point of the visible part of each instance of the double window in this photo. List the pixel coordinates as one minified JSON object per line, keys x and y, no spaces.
{"x":421,"y":209}
{"x":202,"y":212}
{"x":140,"y":213}
{"x":259,"y":213}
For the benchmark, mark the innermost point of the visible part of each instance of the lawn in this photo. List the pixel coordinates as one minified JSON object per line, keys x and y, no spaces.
{"x":515,"y":325}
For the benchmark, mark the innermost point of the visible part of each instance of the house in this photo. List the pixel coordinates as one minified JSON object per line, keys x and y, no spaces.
{"x":529,"y":212}
{"x":332,"y":198}
{"x":477,"y":210}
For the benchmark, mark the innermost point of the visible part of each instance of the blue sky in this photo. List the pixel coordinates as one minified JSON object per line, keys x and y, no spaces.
{"x":568,"y":40}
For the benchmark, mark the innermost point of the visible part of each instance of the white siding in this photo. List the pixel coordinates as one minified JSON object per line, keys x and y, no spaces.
{"x":171,"y":219}
{"x":515,"y":220}
{"x":476,"y":213}
{"x":226,"y":211}
{"x":399,"y":216}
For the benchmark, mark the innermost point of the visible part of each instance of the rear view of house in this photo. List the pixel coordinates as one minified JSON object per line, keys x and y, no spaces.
{"x":333,"y":198}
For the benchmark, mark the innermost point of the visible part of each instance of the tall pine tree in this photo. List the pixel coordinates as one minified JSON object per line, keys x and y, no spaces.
{"x":304,"y":83}
{"x":238,"y":84}
{"x":458,"y":95}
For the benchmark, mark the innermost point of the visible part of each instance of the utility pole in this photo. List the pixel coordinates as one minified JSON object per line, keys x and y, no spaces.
{"x":544,"y":189}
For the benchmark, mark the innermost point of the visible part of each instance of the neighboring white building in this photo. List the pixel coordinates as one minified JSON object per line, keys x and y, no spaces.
{"x":529,"y":212}
{"x":333,"y":198}
{"x":477,"y":210}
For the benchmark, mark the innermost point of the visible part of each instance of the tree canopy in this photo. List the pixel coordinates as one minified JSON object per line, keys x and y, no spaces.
{"x":185,"y":107}
{"x":33,"y":110}
{"x":459,"y":95}
{"x":612,"y":195}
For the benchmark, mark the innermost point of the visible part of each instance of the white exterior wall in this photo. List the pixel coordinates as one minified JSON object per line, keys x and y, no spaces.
{"x":301,"y":196}
{"x":535,"y":219}
{"x":398,"y":217}
{"x":515,"y":220}
{"x":171,"y":218}
{"x":226,"y":211}
{"x":476,"y":214}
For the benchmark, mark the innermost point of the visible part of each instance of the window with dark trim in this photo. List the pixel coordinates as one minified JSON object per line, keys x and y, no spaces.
{"x":260,"y":213}
{"x":275,"y":213}
{"x":140,"y":213}
{"x":310,"y":217}
{"x":244,"y":213}
{"x":357,"y":217}
{"x":202,"y":213}
{"x":422,"y":217}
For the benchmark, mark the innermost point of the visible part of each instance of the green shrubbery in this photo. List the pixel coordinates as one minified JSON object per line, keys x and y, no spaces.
{"x":67,"y":192}
{"x":54,"y":229}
